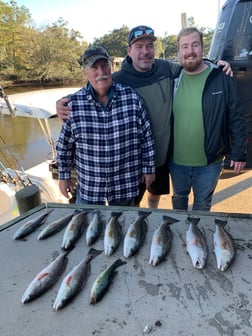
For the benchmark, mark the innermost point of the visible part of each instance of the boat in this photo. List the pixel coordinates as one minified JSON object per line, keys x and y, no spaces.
{"x":41,"y":106}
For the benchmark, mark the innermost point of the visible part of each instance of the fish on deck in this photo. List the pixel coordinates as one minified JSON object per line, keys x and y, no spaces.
{"x":94,"y":228}
{"x":74,"y":230}
{"x":135,"y":234}
{"x":161,"y":241}
{"x":196,"y":243}
{"x":46,"y":278}
{"x":75,"y":280}
{"x":103,"y":281}
{"x":224,"y":248}
{"x":56,"y":226}
{"x":113,"y":234}
{"x":31,"y":225}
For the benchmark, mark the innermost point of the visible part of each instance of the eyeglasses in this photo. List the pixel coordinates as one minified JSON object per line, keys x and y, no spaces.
{"x":139,"y":33}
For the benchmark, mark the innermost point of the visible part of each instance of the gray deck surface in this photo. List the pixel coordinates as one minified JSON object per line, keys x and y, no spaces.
{"x":172,"y":298}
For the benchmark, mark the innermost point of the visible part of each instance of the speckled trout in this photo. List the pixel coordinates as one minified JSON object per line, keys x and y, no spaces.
{"x":75,"y":280}
{"x":161,"y":241}
{"x":74,"y":230}
{"x":224,"y":248}
{"x":31,"y":225}
{"x":103,"y":281}
{"x":94,"y":228}
{"x":113,"y":234}
{"x":196,"y":244}
{"x":46,"y":278}
{"x":135,"y":234}
{"x":55,"y":226}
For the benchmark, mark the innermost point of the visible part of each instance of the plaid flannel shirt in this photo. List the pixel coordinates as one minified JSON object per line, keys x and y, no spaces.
{"x":110,"y":147}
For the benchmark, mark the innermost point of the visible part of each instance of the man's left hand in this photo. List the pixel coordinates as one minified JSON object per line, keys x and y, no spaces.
{"x":238,"y":166}
{"x":227,"y":67}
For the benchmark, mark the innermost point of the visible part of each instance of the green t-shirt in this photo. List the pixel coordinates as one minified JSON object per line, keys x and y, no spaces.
{"x":188,"y":121}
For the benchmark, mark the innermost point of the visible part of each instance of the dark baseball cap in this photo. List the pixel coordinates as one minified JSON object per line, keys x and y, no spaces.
{"x":140,"y":32}
{"x":94,"y":54}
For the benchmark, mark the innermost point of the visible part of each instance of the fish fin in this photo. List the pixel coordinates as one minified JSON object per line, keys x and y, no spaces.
{"x":132,"y":233}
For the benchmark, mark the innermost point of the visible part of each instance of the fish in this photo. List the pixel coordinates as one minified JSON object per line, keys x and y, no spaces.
{"x":31,"y":225}
{"x":56,"y":226}
{"x":135,"y":234}
{"x":103,"y":281}
{"x":94,"y":228}
{"x":112,"y":234}
{"x":224,"y":248}
{"x":196,"y":244}
{"x":74,"y":230}
{"x":75,"y":281}
{"x":161,"y":241}
{"x":46,"y":278}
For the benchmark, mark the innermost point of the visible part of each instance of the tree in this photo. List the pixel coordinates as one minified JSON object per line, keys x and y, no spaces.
{"x":115,"y":42}
{"x":56,"y":55}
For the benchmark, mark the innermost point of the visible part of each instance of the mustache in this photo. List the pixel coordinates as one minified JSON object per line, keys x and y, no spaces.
{"x":191,"y":55}
{"x":99,"y":78}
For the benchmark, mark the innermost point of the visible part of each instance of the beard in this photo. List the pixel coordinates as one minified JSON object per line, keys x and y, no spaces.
{"x":191,"y":65}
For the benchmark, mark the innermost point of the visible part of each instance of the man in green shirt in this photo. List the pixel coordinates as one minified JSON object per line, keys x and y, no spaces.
{"x":208,"y":123}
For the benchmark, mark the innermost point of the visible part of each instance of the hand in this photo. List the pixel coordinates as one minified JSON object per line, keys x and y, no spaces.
{"x":148,"y":179}
{"x":238,"y":166}
{"x":66,"y":187}
{"x":226,"y":67}
{"x":62,"y":109}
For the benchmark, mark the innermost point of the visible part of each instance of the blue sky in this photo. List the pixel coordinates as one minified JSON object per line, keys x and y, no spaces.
{"x":95,"y":18}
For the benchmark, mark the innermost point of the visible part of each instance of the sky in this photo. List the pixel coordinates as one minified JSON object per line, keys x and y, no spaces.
{"x":95,"y":18}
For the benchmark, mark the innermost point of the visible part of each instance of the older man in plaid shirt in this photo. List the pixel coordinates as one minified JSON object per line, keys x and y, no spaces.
{"x":107,"y":139}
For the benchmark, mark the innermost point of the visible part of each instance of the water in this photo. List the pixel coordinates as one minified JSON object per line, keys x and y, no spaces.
{"x":22,"y":140}
{"x":25,"y":140}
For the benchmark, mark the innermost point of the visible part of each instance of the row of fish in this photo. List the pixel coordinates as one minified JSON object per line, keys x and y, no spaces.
{"x":224,"y":248}
{"x":76,"y":222}
{"x":73,"y":282}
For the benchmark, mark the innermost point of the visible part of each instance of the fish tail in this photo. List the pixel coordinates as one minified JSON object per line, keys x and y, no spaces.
{"x":93,"y":252}
{"x":144,"y":213}
{"x":193,"y":220}
{"x":116,"y":214}
{"x":118,"y":263}
{"x":48,"y":211}
{"x":220,"y":222}
{"x":170,"y":220}
{"x":76,"y":211}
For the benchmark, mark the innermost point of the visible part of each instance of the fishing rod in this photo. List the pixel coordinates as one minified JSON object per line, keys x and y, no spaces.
{"x":4,"y":178}
{"x":48,"y":135}
{"x":7,"y":102}
{"x":13,"y":180}
{"x":18,"y":163}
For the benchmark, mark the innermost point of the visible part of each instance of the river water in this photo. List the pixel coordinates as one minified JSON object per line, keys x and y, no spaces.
{"x":22,"y":140}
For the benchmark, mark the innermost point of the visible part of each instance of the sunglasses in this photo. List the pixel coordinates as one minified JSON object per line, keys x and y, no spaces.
{"x":141,"y":32}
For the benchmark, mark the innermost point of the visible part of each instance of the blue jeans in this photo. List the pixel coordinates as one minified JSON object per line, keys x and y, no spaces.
{"x":201,"y":180}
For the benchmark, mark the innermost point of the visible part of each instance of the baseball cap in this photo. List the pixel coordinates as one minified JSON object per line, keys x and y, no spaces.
{"x":92,"y":55}
{"x":140,"y":32}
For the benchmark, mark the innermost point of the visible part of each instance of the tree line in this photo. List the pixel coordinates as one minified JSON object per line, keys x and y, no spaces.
{"x":50,"y":54}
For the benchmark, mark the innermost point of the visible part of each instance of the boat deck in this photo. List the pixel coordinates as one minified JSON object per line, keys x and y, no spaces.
{"x":171,"y":298}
